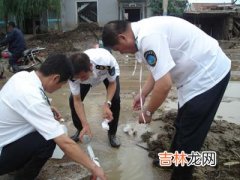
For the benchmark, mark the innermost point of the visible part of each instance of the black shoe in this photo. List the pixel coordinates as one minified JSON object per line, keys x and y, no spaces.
{"x":114,"y":141}
{"x":75,"y":137}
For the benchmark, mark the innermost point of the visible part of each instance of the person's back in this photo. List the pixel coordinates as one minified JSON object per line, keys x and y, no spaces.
{"x":17,"y":42}
{"x":14,"y":39}
{"x":198,"y":60}
{"x":17,"y":103}
{"x":16,"y":45}
{"x":101,"y":56}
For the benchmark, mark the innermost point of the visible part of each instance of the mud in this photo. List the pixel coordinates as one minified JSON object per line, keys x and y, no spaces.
{"x":223,"y":138}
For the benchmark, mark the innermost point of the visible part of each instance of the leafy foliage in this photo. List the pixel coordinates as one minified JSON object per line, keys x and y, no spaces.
{"x":28,"y":8}
{"x":1,"y":9}
{"x":175,"y":7}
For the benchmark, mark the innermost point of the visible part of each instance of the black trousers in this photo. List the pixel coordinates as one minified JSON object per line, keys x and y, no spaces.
{"x":193,"y":123}
{"x":14,"y":57}
{"x":115,"y":108}
{"x":26,"y":156}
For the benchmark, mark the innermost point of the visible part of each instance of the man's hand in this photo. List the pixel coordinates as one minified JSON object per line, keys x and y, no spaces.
{"x":107,"y":113}
{"x":144,"y":118}
{"x":56,"y":113}
{"x":137,"y":102}
{"x":85,"y":130}
{"x":98,"y":173}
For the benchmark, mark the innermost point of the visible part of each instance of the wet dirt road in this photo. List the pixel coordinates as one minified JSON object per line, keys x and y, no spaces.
{"x":129,"y":161}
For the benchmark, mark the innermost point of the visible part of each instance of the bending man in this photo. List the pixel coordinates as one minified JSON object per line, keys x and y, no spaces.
{"x":29,"y":131}
{"x":93,"y":67}
{"x":175,"y":52}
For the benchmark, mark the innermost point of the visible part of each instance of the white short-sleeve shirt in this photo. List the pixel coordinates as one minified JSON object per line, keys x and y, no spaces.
{"x":104,"y":66}
{"x":194,"y":59}
{"x":24,"y":109}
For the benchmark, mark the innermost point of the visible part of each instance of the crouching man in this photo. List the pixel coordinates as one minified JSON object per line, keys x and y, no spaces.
{"x":29,"y":131}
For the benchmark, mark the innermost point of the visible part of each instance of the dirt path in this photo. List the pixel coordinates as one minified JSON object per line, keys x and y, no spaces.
{"x":131,"y":161}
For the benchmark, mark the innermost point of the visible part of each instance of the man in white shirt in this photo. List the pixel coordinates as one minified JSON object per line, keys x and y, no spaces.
{"x":93,"y":67}
{"x":29,"y":130}
{"x":175,"y":52}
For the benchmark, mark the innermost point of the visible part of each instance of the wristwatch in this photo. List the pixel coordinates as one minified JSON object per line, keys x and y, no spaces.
{"x":148,"y":113}
{"x":109,"y":103}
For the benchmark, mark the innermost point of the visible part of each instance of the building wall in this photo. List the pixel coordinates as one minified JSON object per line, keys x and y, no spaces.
{"x":68,"y":15}
{"x":107,"y":11}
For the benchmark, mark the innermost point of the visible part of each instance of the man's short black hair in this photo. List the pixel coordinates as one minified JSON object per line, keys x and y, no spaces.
{"x":80,"y":63}
{"x":111,"y":30}
{"x":57,"y":64}
{"x":12,"y":24}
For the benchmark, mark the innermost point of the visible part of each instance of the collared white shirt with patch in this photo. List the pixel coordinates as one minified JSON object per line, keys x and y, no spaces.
{"x":102,"y":57}
{"x":24,"y":109}
{"x":194,"y":59}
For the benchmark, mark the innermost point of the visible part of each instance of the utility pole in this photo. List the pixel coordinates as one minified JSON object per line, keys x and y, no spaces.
{"x":165,"y":7}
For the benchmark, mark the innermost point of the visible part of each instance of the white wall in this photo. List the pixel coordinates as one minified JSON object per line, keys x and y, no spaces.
{"x":107,"y":11}
{"x":68,"y":15}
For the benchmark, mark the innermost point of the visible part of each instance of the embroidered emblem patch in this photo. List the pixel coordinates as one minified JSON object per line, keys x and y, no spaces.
{"x":150,"y":57}
{"x":112,"y":71}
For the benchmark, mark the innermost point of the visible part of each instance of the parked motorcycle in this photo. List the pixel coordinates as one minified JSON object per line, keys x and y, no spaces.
{"x":31,"y":59}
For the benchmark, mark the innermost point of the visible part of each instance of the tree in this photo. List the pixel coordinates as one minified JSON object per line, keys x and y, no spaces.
{"x":33,"y":9}
{"x":175,"y":7}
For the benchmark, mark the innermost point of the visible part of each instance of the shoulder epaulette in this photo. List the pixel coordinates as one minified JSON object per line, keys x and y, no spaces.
{"x":101,"y":67}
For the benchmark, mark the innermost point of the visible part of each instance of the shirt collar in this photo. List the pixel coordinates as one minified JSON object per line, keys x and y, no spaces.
{"x":36,"y":79}
{"x":136,"y":28}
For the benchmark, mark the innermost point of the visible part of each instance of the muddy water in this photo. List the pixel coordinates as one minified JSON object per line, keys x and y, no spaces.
{"x":129,"y":161}
{"x":229,"y":107}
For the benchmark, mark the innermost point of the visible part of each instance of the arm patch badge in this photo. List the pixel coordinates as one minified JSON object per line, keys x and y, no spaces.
{"x":112,"y":71}
{"x":150,"y":57}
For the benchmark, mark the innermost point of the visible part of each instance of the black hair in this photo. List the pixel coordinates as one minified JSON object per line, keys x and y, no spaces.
{"x":111,"y":30}
{"x":57,"y":64}
{"x":80,"y":63}
{"x":12,"y":24}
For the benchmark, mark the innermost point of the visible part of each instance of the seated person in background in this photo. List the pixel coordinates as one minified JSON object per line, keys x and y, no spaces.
{"x":16,"y":44}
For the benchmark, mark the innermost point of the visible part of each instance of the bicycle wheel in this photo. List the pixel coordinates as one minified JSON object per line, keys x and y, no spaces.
{"x":38,"y":63}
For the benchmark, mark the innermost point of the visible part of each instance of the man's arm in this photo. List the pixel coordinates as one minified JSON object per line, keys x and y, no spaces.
{"x":111,"y":90}
{"x":73,"y":151}
{"x":107,"y":113}
{"x":79,"y":108}
{"x":147,"y":88}
{"x":159,"y":92}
